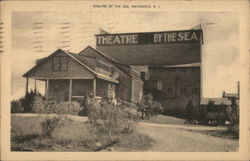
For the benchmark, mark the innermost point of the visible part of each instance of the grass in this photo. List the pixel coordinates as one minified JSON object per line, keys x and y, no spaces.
{"x":26,"y":135}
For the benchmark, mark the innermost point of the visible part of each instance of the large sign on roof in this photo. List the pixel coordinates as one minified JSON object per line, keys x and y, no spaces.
{"x":152,"y":48}
{"x":187,"y":36}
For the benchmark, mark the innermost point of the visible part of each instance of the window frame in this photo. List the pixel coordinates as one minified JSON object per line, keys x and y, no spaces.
{"x":60,"y":64}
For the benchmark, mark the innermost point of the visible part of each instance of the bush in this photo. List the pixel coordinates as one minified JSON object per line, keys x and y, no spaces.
{"x":49,"y":125}
{"x":16,"y":106}
{"x":191,"y":112}
{"x":149,"y":107}
{"x":28,"y":100}
{"x":24,"y":104}
{"x":233,"y":115}
{"x":110,"y":120}
{"x":176,"y":112}
{"x":53,"y":107}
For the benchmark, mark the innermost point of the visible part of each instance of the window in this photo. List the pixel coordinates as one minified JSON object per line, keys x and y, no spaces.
{"x":144,"y":76}
{"x":60,"y":63}
{"x":159,"y":84}
{"x":183,"y":70}
{"x":170,"y":90}
{"x":183,"y":91}
{"x":162,"y":70}
{"x":194,"y":91}
{"x":170,"y":69}
{"x":193,"y":70}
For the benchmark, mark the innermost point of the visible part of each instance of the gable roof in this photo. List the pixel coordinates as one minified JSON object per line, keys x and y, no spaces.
{"x":86,"y":62}
{"x":122,"y":67}
{"x":45,"y":59}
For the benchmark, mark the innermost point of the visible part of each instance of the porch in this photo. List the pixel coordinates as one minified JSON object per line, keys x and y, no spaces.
{"x":76,"y":89}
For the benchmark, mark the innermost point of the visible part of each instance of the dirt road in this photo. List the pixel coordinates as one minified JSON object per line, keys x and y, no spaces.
{"x":174,"y":139}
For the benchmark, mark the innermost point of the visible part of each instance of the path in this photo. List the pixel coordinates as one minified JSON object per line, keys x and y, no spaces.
{"x":174,"y":138}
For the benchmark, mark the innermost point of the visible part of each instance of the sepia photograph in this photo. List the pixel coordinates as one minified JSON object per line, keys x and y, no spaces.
{"x":88,"y":85}
{"x":124,"y":77}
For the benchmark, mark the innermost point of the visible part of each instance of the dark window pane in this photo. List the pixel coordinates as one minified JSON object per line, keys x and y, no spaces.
{"x":64,"y":63}
{"x":183,"y":70}
{"x":183,"y":91}
{"x":56,"y":64}
{"x":170,"y":90}
{"x":194,"y":91}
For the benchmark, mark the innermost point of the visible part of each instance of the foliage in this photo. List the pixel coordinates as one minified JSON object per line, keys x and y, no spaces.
{"x":26,"y":134}
{"x":88,"y":103}
{"x":53,"y":107}
{"x":24,"y":104}
{"x":212,"y":114}
{"x":28,"y":100}
{"x":233,"y":115}
{"x":16,"y":106}
{"x":49,"y":125}
{"x":110,"y":119}
{"x":149,"y":107}
{"x":176,"y":112}
{"x":191,"y":112}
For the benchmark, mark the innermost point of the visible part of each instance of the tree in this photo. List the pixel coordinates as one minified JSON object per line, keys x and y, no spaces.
{"x":28,"y":100}
{"x":190,"y":111}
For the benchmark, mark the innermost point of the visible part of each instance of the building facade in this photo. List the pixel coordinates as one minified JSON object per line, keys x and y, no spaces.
{"x":169,"y":62}
{"x":70,"y":77}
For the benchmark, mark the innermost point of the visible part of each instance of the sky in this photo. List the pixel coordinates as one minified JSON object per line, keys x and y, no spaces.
{"x":37,"y":34}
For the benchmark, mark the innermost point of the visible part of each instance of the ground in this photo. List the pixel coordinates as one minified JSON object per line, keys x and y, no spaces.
{"x":175,"y":139}
{"x":169,"y":134}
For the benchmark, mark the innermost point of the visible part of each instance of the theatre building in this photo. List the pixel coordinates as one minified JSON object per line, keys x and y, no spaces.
{"x":169,"y":62}
{"x":166,"y":64}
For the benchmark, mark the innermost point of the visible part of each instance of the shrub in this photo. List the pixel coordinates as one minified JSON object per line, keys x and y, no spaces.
{"x":28,"y":100}
{"x":212,"y":114}
{"x":149,"y":107}
{"x":110,"y":120}
{"x":233,"y":115}
{"x":53,"y":107}
{"x":16,"y":106}
{"x":190,"y":112}
{"x":49,"y":125}
{"x":176,"y":112}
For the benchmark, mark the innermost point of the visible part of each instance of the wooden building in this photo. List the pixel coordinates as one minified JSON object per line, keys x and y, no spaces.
{"x":70,"y":76}
{"x":169,"y":62}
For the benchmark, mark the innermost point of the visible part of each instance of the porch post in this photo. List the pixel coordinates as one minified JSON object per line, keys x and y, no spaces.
{"x":70,"y":89}
{"x":27,"y":84}
{"x":47,"y":89}
{"x":35,"y":86}
{"x":94,"y":87}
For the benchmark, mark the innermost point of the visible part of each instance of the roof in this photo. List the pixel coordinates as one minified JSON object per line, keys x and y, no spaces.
{"x":122,"y":67}
{"x":87,"y":62}
{"x":217,"y":101}
{"x":90,"y":62}
{"x":230,"y":95}
{"x":184,"y":65}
